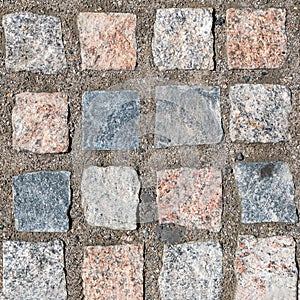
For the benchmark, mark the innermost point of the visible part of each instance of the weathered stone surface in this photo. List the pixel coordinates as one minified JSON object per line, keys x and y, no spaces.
{"x":259,"y":113}
{"x":266,"y":268}
{"x":256,"y":39}
{"x":183,"y":39}
{"x":190,"y":197}
{"x":111,"y":120}
{"x":110,"y":197}
{"x":114,"y":272}
{"x":40,"y":123}
{"x":187,"y":115}
{"x":33,"y":271}
{"x":33,"y":43}
{"x":267,"y":192}
{"x":107,"y":41}
{"x":41,"y":201}
{"x":191,"y":271}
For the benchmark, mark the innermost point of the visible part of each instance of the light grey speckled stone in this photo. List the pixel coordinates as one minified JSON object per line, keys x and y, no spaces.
{"x":110,"y":120}
{"x":259,"y":113}
{"x":267,"y":192}
{"x":110,"y":197}
{"x":191,"y":271}
{"x":183,"y":39}
{"x":41,"y":201}
{"x":187,"y":115}
{"x":33,"y":271}
{"x":33,"y":43}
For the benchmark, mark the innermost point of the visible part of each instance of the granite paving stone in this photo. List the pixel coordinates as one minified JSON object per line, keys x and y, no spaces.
{"x":256,"y":39}
{"x":266,"y":268}
{"x":190,"y":197}
{"x":40,"y":123}
{"x":113,"y":272}
{"x":110,"y":197}
{"x":191,"y":271}
{"x":187,"y":115}
{"x":267,"y":192}
{"x":33,"y":271}
{"x":183,"y":39}
{"x":42,"y":201}
{"x":111,"y":120}
{"x":107,"y":40}
{"x":33,"y":43}
{"x":259,"y":113}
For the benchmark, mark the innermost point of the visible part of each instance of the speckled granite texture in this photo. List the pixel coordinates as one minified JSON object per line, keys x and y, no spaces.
{"x":266,"y":268}
{"x":187,"y":115}
{"x":110,"y":197}
{"x":114,"y":272}
{"x":183,"y":39}
{"x":256,"y":38}
{"x":41,"y":201}
{"x":107,"y":41}
{"x":259,"y":113}
{"x":33,"y":43}
{"x":110,"y":120}
{"x":191,"y":271}
{"x":40,"y":123}
{"x":190,"y":197}
{"x":33,"y":271}
{"x":267,"y":192}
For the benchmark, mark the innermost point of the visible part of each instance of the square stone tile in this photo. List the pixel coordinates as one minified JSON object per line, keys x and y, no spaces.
{"x":42,"y":201}
{"x":187,"y":115}
{"x":110,"y":197}
{"x":33,"y":271}
{"x":191,"y":271}
{"x":266,"y":268}
{"x":256,"y":39}
{"x":183,"y":39}
{"x":190,"y":197}
{"x":33,"y":43}
{"x":259,"y":113}
{"x":267,"y":192}
{"x":111,"y":120}
{"x":113,"y":272}
{"x":107,"y":41}
{"x":40,"y":123}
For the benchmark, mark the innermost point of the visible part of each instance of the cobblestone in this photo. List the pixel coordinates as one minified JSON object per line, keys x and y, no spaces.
{"x":40,"y":123}
{"x":110,"y":120}
{"x":110,"y":197}
{"x":33,"y":271}
{"x":256,"y":39}
{"x":191,"y":271}
{"x":266,"y":268}
{"x":114,"y":272}
{"x":259,"y":113}
{"x":41,"y":201}
{"x":187,"y":115}
{"x":267,"y":192}
{"x":183,"y":39}
{"x":33,"y":43}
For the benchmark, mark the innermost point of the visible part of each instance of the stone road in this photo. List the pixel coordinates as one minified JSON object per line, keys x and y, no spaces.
{"x":150,"y":158}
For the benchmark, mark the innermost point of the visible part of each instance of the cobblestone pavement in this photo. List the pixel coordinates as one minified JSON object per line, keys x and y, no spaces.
{"x":149,"y":150}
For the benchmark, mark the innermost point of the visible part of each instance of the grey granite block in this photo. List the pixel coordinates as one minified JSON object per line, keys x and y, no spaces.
{"x":41,"y":201}
{"x":187,"y":115}
{"x":33,"y":43}
{"x":183,"y":39}
{"x":259,"y":113}
{"x":33,"y":271}
{"x":191,"y":271}
{"x":110,"y":197}
{"x":110,"y":120}
{"x":267,"y":192}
